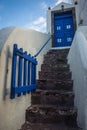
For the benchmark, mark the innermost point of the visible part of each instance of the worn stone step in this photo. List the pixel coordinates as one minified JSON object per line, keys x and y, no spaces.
{"x":55,"y":85}
{"x":53,"y":102}
{"x":59,"y":51}
{"x":57,"y":54}
{"x":42,"y":126}
{"x":55,"y":71}
{"x":54,"y":67}
{"x":54,"y":56}
{"x":49,"y":114}
{"x":57,"y":98}
{"x":53,"y":60}
{"x":65,"y":75}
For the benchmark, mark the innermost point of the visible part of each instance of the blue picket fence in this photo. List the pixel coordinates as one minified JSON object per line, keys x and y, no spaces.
{"x":23,"y":79}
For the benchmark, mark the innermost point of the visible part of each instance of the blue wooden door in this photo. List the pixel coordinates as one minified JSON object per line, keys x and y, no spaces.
{"x":63,"y":30}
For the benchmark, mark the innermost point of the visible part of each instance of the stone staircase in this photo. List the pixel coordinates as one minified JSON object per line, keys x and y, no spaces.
{"x":52,"y":106}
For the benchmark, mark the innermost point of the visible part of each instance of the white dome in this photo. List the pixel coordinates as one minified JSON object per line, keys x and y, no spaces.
{"x":4,"y":34}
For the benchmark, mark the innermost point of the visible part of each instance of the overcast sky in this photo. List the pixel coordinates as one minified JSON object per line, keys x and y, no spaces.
{"x":26,"y":13}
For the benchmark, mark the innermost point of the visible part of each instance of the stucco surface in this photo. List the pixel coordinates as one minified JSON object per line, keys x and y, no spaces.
{"x":12,"y":112}
{"x":77,"y":59}
{"x":81,"y":12}
{"x":4,"y":34}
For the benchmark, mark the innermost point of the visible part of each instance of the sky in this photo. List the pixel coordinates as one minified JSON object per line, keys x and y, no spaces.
{"x":26,"y":13}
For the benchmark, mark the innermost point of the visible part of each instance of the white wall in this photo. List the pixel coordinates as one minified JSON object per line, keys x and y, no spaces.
{"x":77,"y":59}
{"x":48,"y":21}
{"x":81,"y":11}
{"x":12,"y":112}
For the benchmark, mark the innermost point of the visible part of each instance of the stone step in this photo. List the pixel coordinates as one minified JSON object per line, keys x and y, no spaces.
{"x":49,"y":97}
{"x":54,"y":67}
{"x":55,"y":85}
{"x":55,"y":70}
{"x":52,"y":105}
{"x":58,"y":53}
{"x":53,"y":60}
{"x":65,"y":75}
{"x":50,"y":114}
{"x":42,"y":126}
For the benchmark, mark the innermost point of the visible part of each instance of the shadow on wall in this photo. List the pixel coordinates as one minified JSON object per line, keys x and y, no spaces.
{"x":8,"y":55}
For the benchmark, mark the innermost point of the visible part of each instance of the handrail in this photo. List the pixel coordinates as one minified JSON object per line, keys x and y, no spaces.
{"x":42,"y":47}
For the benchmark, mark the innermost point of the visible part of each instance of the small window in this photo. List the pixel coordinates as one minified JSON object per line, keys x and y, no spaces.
{"x":68,"y":26}
{"x":59,"y":40}
{"x":58,"y":27}
{"x":69,"y":39}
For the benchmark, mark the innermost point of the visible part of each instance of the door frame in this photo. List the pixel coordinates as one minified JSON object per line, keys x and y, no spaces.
{"x":72,"y":10}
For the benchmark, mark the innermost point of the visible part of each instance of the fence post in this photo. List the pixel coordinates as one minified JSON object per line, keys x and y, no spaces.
{"x":20,"y":71}
{"x":33,"y":75}
{"x":29,"y":73}
{"x":13,"y":78}
{"x":25,"y":73}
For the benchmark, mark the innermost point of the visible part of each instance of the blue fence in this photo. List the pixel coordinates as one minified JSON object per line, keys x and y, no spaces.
{"x":23,"y":78}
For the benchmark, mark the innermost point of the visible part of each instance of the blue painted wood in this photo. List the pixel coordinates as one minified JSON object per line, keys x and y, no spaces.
{"x":62,"y":16}
{"x":25,"y":88}
{"x":13,"y":79}
{"x":63,"y":30}
{"x":27,"y":57}
{"x":20,"y":71}
{"x":26,"y":73}
{"x":32,"y":74}
{"x":29,"y":73}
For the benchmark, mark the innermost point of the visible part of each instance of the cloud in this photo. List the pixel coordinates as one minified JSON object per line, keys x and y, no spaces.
{"x":39,"y":24}
{"x":44,"y":5}
{"x":40,"y":20}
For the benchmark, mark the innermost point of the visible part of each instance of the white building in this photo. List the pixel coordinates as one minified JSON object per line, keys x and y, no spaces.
{"x":62,"y":22}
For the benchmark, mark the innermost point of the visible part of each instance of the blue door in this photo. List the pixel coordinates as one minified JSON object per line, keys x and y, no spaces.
{"x":63,"y":30}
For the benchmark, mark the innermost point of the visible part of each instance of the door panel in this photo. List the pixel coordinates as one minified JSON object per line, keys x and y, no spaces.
{"x":68,"y":38}
{"x":58,"y":35}
{"x":68,"y":24}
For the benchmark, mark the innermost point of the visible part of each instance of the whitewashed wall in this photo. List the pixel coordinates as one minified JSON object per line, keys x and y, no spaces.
{"x":81,"y":12}
{"x":12,"y":112}
{"x":77,"y":59}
